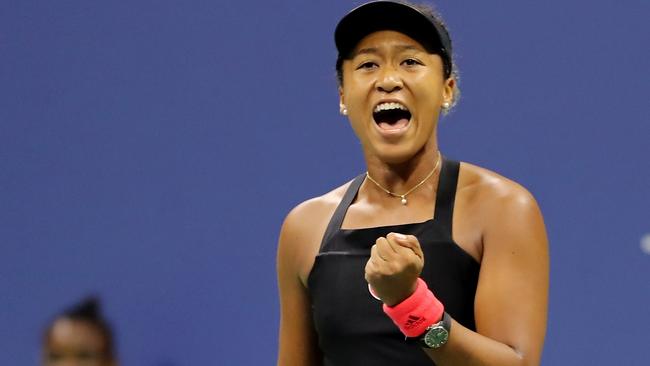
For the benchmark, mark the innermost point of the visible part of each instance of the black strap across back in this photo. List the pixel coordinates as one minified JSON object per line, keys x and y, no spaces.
{"x":352,"y":328}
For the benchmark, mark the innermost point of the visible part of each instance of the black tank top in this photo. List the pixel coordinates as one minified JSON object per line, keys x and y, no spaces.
{"x":352,"y":328}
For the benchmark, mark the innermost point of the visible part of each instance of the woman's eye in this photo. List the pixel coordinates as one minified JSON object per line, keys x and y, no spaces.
{"x":54,"y":359}
{"x":411,"y":62}
{"x":367,"y":65}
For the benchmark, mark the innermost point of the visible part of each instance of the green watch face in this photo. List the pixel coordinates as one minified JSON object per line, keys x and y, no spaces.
{"x":436,"y":336}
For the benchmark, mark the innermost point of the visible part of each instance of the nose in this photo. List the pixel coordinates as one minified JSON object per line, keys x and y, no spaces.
{"x":389,"y":81}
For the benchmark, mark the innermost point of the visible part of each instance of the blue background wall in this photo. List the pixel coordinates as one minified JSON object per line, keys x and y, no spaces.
{"x":149,"y":151}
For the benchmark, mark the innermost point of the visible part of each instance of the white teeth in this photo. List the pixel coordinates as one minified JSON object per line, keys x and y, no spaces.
{"x":388,"y":106}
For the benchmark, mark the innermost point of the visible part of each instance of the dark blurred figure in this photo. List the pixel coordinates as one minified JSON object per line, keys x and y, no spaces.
{"x":79,"y":336}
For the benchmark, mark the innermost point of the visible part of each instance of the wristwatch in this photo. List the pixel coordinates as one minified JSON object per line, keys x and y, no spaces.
{"x":436,"y":334}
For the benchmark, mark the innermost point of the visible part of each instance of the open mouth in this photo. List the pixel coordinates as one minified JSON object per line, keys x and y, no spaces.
{"x":391,"y":116}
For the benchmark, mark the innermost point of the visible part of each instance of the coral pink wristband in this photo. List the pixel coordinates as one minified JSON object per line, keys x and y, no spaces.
{"x":413,"y":315}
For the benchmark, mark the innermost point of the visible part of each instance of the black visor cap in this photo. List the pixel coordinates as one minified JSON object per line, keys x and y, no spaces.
{"x":390,"y":15}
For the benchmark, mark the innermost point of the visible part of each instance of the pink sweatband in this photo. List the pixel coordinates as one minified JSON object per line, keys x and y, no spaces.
{"x":413,"y":315}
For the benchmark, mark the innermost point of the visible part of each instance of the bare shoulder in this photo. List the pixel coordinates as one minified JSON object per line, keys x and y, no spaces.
{"x":303,"y":230}
{"x":492,"y":191}
{"x":305,"y":217}
{"x":499,"y":213}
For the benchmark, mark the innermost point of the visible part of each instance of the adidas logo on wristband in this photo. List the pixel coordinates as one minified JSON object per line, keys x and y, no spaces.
{"x":413,"y":321}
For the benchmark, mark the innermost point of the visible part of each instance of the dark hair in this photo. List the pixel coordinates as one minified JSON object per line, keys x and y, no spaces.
{"x":89,"y":310}
{"x":426,"y":10}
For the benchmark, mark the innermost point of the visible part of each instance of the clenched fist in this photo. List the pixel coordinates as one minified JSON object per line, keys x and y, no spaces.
{"x":395,"y":263}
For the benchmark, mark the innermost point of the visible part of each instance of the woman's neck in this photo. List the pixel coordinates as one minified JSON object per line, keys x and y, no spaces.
{"x":401,"y":177}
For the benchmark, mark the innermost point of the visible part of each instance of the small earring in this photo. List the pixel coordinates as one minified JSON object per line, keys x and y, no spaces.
{"x":446,"y":105}
{"x":343,"y":110}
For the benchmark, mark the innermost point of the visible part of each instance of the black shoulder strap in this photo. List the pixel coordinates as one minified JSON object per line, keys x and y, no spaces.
{"x":446,"y":194}
{"x":337,"y":218}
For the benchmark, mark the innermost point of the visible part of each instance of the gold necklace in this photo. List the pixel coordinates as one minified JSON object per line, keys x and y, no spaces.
{"x":403,"y":196}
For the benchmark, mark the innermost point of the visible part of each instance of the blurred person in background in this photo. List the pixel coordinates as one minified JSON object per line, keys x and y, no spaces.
{"x":79,"y":336}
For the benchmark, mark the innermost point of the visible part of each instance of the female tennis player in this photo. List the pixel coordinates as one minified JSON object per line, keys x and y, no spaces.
{"x":422,"y":260}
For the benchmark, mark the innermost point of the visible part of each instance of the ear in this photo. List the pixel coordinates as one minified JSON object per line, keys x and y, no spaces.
{"x":448,"y":91}
{"x":342,"y":108}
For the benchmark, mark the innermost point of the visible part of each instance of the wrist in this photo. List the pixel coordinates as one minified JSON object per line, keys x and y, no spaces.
{"x":417,"y":312}
{"x":401,"y":298}
{"x":436,"y":335}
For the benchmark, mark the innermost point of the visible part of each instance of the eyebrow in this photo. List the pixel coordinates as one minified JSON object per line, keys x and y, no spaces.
{"x":365,"y":51}
{"x":374,"y":50}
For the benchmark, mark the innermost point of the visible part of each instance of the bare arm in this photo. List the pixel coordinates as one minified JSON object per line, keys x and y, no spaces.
{"x":298,"y":341}
{"x":512,"y":294}
{"x":511,"y":298}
